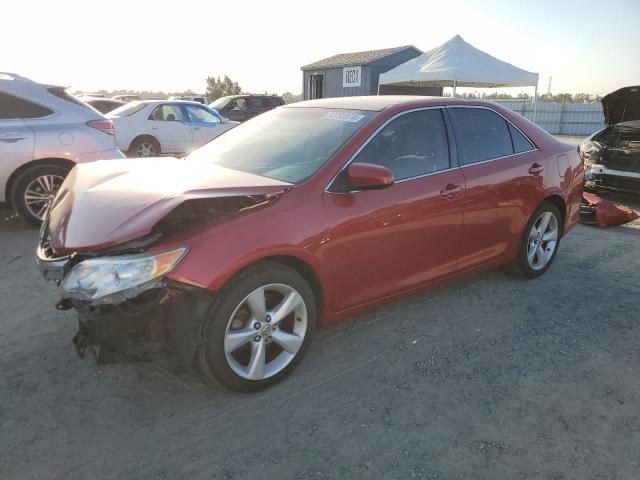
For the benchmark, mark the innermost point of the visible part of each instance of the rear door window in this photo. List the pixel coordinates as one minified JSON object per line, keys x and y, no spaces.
{"x":482,"y":134}
{"x":411,"y":145}
{"x":167,"y":113}
{"x":16,"y":107}
{"x":255,"y":102}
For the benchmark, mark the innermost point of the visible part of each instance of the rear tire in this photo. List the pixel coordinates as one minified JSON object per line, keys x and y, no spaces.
{"x":143,"y":147}
{"x":248,"y":343}
{"x":539,"y":242}
{"x":35,"y":189}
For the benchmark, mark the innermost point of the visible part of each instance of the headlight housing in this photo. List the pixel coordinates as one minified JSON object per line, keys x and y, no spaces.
{"x":114,"y":279}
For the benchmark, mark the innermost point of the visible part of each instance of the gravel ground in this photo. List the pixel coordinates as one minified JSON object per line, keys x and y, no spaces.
{"x":491,"y":377}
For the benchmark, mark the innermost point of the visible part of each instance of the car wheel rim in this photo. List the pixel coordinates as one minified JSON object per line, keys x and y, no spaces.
{"x":542,"y":241}
{"x":40,"y":193}
{"x":266,"y":331}
{"x":146,"y":149}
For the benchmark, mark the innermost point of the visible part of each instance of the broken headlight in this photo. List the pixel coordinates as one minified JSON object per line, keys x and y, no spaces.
{"x":114,"y":279}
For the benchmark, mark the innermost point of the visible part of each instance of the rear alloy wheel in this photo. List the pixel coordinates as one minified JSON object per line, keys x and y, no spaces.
{"x":145,"y":147}
{"x":259,"y":329}
{"x":540,"y":241}
{"x":35,"y":190}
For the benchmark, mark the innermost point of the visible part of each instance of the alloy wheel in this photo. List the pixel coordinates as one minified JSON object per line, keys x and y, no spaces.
{"x":40,"y":192}
{"x":146,"y":149}
{"x":265,"y":331}
{"x":543,"y":239}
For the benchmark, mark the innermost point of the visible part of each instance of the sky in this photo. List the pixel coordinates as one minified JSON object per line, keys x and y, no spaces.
{"x":586,"y":46}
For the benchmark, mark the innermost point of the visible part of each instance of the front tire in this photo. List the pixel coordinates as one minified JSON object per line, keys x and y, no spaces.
{"x":35,"y":189}
{"x":540,"y":241}
{"x":259,"y":328}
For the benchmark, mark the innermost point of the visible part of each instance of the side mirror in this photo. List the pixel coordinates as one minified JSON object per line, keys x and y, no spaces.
{"x":368,"y":176}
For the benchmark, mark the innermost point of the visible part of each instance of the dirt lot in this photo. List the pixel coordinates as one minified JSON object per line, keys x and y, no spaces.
{"x":493,"y":377}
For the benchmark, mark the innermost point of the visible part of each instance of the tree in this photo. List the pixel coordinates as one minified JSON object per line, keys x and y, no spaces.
{"x":562,"y":97}
{"x":581,"y":97}
{"x":217,"y":88}
{"x":289,"y":97}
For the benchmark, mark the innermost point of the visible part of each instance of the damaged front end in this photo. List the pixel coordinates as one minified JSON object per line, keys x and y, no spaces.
{"x":127,"y":307}
{"x":612,"y":155}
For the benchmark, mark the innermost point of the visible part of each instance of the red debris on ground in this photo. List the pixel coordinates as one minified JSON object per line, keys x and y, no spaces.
{"x":595,"y":210}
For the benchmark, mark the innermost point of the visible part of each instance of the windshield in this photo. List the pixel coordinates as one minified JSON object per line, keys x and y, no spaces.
{"x":126,"y":110}
{"x":220,"y":103}
{"x":286,"y":144}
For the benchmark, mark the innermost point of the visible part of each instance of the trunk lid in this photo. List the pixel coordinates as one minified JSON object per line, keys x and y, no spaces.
{"x":106,"y":203}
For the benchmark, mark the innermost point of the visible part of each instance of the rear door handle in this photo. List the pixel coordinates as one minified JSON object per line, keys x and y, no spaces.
{"x":11,"y":137}
{"x":450,"y":190}
{"x":536,"y":169}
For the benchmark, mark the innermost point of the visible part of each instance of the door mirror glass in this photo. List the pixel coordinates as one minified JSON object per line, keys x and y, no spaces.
{"x":367,"y":176}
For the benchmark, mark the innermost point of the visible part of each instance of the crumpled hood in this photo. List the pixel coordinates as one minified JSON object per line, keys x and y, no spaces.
{"x":106,"y":203}
{"x":623,"y":105}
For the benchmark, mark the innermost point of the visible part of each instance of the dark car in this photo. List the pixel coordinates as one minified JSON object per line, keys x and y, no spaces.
{"x":303,"y":216}
{"x":103,"y":105}
{"x":612,"y":155}
{"x":242,"y":107}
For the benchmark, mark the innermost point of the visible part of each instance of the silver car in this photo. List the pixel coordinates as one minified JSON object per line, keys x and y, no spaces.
{"x":44,"y":132}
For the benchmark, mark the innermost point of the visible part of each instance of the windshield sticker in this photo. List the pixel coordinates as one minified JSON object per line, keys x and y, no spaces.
{"x":343,"y":116}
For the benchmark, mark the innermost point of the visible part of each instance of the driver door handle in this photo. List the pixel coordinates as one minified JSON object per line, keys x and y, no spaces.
{"x":451,"y":190}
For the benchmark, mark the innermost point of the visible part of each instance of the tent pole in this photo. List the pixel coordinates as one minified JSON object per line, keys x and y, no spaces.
{"x":535,"y":104}
{"x":454,"y":87}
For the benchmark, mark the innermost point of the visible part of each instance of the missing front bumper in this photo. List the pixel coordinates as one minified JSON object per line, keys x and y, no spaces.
{"x":167,"y":323}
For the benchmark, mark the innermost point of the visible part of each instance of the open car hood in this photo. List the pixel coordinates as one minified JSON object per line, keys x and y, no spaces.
{"x":106,"y":203}
{"x":623,"y":105}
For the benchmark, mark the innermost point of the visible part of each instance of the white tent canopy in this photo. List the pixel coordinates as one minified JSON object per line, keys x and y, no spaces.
{"x":456,"y":63}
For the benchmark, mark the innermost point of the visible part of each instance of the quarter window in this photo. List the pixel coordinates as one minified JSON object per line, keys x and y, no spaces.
{"x":520,"y":143}
{"x":411,"y":145}
{"x":482,"y":134}
{"x":15,"y":107}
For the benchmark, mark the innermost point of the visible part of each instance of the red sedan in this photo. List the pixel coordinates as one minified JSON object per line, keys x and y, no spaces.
{"x":229,"y":259}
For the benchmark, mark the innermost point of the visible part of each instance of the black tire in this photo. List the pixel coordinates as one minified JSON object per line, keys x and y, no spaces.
{"x":138,"y":142}
{"x":22,"y":183}
{"x":521,"y":264}
{"x":211,"y":357}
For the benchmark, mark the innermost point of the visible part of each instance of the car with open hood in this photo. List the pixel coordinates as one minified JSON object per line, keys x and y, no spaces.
{"x":612,"y":155}
{"x":308,"y":214}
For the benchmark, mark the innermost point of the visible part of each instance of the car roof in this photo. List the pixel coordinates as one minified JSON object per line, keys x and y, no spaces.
{"x":378,"y":103}
{"x":244,"y":95}
{"x":155,"y":102}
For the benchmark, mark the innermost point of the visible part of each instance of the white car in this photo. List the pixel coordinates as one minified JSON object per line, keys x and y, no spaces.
{"x":44,"y":132}
{"x":153,"y":127}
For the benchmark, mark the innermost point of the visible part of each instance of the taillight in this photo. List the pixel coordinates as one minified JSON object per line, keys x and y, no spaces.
{"x":105,"y":126}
